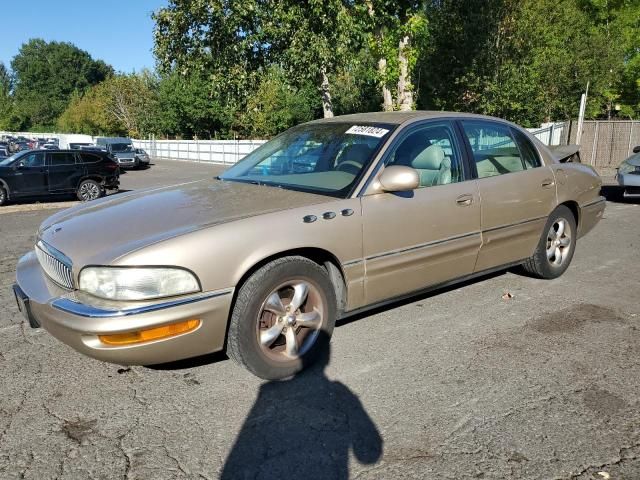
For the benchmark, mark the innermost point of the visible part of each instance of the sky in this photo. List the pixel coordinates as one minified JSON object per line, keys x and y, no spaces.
{"x":120,"y":32}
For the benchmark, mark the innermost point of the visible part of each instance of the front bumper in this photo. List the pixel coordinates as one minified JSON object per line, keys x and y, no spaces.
{"x":127,"y":162}
{"x":631,"y":184}
{"x":77,"y":319}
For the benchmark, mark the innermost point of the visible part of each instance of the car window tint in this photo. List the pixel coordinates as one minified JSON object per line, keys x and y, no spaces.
{"x":494,"y":150}
{"x":62,"y":158}
{"x":432,"y":151}
{"x":527,"y":150}
{"x":89,"y":158}
{"x":33,"y":160}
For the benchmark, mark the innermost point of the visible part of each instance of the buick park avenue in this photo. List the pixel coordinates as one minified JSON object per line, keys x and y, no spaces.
{"x":329,"y":218}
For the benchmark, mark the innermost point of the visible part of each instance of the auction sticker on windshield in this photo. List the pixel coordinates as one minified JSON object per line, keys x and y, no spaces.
{"x":367,"y":130}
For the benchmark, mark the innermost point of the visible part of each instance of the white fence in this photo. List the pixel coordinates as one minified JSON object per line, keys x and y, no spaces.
{"x":215,"y":151}
{"x":231,"y":151}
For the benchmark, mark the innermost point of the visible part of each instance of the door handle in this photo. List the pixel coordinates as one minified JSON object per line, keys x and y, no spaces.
{"x":548,"y":182}
{"x":464,"y":200}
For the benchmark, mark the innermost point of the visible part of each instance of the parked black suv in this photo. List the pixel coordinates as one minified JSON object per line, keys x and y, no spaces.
{"x":41,"y":172}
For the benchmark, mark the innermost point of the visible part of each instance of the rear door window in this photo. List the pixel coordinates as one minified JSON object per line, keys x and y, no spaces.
{"x":89,"y":158}
{"x":494,"y":149}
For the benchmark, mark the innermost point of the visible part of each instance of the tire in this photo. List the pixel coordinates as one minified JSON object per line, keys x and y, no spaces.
{"x":89,"y":190}
{"x":554,"y":252}
{"x":260,"y":339}
{"x":3,"y":196}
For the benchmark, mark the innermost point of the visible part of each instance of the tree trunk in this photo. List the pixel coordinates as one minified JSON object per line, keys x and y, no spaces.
{"x":405,"y":92}
{"x":327,"y":105}
{"x":387,"y":100}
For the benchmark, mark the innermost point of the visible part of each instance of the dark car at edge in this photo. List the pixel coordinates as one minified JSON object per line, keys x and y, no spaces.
{"x":37,"y":173}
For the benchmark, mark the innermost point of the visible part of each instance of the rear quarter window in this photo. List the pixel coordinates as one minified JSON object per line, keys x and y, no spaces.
{"x":89,"y":158}
{"x":529,"y":154}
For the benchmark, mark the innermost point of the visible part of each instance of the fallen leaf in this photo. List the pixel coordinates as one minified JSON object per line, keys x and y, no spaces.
{"x":507,"y":296}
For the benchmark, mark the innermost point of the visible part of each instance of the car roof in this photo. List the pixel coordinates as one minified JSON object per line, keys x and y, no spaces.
{"x":398,"y":118}
{"x":115,"y":139}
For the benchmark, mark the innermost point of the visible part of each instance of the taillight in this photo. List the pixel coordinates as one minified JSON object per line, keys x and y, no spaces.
{"x":111,"y":166}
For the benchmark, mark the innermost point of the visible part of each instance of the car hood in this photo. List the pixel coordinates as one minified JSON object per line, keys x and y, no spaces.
{"x":633,"y":160}
{"x":101,"y":231}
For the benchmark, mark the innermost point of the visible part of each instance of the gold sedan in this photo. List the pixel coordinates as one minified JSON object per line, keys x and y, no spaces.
{"x":330,"y":218}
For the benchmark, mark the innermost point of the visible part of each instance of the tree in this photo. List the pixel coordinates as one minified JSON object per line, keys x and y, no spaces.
{"x":121,"y":105}
{"x":313,"y":40}
{"x":6,"y":101}
{"x":189,"y":106}
{"x":398,"y":38}
{"x":527,"y":60}
{"x":276,"y":106}
{"x":46,"y":76}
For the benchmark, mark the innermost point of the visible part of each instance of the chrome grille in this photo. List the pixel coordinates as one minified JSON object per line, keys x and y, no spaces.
{"x":55,"y":265}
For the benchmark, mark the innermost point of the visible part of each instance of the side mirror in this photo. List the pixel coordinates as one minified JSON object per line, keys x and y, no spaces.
{"x":636,"y":149}
{"x":398,"y":178}
{"x":21,"y":164}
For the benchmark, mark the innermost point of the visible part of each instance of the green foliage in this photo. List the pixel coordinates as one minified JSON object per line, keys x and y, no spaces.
{"x":6,"y":101}
{"x":46,"y":75}
{"x":275,"y":106}
{"x":121,"y":105}
{"x":529,"y":61}
{"x":252,"y":68}
{"x":390,"y":21}
{"x":189,"y":107}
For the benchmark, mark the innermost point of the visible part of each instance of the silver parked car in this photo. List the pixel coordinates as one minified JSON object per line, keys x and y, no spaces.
{"x":629,"y":175}
{"x":143,"y":157}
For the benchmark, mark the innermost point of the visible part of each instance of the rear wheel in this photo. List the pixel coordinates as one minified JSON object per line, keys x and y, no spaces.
{"x":89,"y":190}
{"x":283,"y":317}
{"x":556,"y":246}
{"x":3,"y":196}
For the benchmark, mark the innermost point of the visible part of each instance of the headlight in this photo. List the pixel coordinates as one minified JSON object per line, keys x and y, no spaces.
{"x":627,"y":168}
{"x":133,"y":283}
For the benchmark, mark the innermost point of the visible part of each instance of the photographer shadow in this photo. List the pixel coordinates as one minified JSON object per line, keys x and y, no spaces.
{"x":303,"y":427}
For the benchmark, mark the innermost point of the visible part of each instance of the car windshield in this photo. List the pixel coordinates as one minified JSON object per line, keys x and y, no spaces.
{"x":9,"y":160}
{"x":121,"y":147}
{"x":324,"y":158}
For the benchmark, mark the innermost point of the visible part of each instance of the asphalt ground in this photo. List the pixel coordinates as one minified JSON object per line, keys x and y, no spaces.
{"x":503,"y":377}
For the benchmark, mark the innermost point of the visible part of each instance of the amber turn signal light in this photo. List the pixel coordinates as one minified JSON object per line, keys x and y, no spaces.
{"x":151,"y":334}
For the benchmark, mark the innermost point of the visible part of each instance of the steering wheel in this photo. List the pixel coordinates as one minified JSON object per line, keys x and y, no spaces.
{"x":349,"y":166}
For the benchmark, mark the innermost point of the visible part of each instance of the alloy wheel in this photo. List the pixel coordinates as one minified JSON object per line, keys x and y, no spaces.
{"x":290,"y":319}
{"x":89,"y":191}
{"x":559,"y":242}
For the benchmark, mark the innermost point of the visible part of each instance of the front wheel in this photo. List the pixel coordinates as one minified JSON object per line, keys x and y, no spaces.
{"x":89,"y":190}
{"x":3,"y":196}
{"x":283,"y":318}
{"x":556,"y":246}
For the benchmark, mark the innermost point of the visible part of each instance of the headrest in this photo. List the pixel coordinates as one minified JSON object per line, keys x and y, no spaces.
{"x":429,"y":159}
{"x":358,"y":152}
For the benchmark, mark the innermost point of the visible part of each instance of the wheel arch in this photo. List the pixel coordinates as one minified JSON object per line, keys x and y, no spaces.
{"x":91,"y":176}
{"x":575,"y":209}
{"x":5,"y":185}
{"x":320,"y":256}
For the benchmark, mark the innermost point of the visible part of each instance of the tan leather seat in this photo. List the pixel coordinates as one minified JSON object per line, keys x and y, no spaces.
{"x":353,"y":158}
{"x":433,"y":166}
